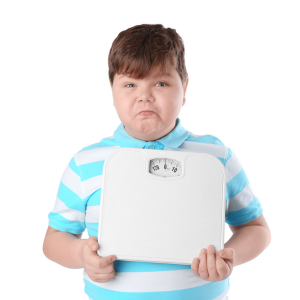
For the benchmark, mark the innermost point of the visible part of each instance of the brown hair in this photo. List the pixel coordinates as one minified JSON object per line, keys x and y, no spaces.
{"x":138,"y":49}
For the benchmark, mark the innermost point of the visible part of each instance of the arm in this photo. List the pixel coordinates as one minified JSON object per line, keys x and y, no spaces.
{"x":249,"y":240}
{"x":64,"y":248}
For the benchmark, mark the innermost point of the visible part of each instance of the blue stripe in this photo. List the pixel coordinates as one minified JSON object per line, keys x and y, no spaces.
{"x":229,"y":153}
{"x":138,"y":266}
{"x":91,"y":170}
{"x":92,"y":228}
{"x":94,"y":198}
{"x":71,"y":199}
{"x":109,"y":143}
{"x":60,"y":223}
{"x":236,"y":184}
{"x":207,"y":291}
{"x":223,"y":160}
{"x":245,"y":215}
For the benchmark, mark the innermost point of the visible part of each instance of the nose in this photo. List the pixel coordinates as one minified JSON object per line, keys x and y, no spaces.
{"x":145,"y":95}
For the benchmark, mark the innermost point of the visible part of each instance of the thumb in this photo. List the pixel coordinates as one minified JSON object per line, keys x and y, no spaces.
{"x":227,"y":253}
{"x":93,"y":243}
{"x":110,"y":259}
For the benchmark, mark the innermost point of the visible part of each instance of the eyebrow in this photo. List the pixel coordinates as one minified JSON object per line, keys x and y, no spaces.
{"x":157,"y":75}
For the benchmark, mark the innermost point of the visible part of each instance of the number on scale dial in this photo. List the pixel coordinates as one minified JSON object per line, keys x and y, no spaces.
{"x":165,"y":167}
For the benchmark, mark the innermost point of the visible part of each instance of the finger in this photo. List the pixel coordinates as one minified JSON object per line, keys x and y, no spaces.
{"x":222,"y":268}
{"x":106,"y":275}
{"x":203,"y":265}
{"x":92,"y":243}
{"x":211,"y":262}
{"x":195,"y":266}
{"x":105,"y":261}
{"x":100,"y":262}
{"x":97,"y":270}
{"x":102,"y":277}
{"x":227,"y":253}
{"x":93,"y":259}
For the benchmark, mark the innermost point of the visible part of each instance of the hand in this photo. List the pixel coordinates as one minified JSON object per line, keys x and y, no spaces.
{"x":99,"y":269}
{"x":214,"y":266}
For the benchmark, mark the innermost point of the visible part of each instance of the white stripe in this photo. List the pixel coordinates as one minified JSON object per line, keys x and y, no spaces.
{"x":233,"y":167}
{"x":68,"y":213}
{"x":92,"y":214}
{"x":92,"y":184}
{"x":135,"y":282}
{"x":72,"y":181}
{"x":93,"y":155}
{"x":241,"y":200}
{"x":216,"y":150}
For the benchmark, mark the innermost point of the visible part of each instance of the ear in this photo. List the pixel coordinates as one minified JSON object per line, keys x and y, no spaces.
{"x":186,"y":84}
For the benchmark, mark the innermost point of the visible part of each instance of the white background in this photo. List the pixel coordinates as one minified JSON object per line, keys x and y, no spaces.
{"x":243,"y":62}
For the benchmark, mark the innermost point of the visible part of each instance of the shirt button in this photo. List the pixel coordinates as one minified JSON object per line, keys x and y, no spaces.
{"x":151,"y":147}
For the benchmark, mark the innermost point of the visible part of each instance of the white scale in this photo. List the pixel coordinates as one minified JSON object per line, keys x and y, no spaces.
{"x":161,"y":206}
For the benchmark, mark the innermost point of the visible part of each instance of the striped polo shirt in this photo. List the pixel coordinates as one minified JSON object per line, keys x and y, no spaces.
{"x":77,"y":208}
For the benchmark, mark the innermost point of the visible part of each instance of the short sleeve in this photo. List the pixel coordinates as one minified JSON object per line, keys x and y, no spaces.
{"x":68,"y":214}
{"x":242,"y":206}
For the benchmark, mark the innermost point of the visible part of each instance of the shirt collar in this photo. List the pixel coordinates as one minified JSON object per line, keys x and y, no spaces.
{"x":172,"y":140}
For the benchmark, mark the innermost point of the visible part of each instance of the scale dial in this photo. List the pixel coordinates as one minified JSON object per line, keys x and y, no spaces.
{"x":165,"y":167}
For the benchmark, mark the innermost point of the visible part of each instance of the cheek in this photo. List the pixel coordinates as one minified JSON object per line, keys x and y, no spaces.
{"x":123,"y":106}
{"x":173,"y":95}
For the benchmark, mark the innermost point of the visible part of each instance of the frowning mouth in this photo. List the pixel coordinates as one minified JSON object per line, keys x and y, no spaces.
{"x":146,"y":112}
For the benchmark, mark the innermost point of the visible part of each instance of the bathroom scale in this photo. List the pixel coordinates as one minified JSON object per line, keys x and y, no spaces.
{"x":161,"y":206}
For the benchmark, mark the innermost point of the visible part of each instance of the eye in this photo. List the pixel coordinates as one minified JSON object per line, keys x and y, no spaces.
{"x":163,"y":83}
{"x":129,"y":84}
{"x":133,"y":84}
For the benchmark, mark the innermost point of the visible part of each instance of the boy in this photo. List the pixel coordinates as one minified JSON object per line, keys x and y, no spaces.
{"x":148,"y":78}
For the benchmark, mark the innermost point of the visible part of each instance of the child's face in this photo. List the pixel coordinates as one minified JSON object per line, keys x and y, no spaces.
{"x":164,"y":96}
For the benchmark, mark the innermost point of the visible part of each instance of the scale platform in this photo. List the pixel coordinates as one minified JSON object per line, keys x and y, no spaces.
{"x":161,"y":206}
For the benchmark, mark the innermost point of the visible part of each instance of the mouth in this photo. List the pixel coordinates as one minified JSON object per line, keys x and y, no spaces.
{"x":146,"y":112}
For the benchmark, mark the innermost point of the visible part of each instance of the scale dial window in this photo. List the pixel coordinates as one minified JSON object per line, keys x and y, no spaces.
{"x":165,"y":167}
